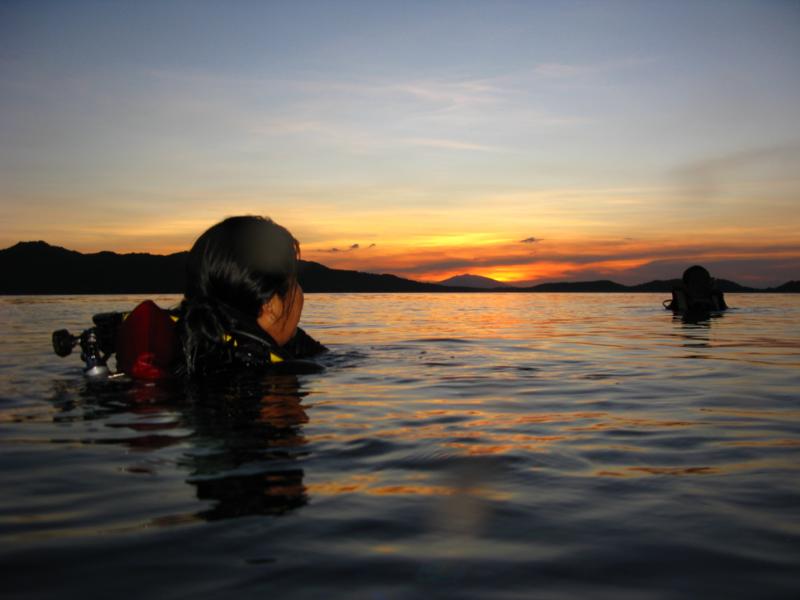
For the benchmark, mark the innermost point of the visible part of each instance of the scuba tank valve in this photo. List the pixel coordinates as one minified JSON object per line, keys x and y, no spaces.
{"x":64,"y":342}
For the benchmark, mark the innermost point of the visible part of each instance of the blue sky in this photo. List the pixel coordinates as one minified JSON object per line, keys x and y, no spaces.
{"x":437,"y":131}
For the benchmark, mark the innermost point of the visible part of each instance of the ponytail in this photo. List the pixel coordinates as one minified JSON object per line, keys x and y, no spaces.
{"x":203,"y":327}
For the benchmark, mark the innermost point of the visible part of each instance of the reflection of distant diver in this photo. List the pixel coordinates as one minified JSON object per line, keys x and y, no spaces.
{"x":246,"y":436}
{"x":696,"y":336}
{"x":697,"y":296}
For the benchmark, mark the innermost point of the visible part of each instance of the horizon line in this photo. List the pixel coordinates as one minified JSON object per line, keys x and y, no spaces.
{"x":500,"y":288}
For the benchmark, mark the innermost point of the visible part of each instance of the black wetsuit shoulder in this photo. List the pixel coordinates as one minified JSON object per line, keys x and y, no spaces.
{"x":303,"y":346}
{"x":684,"y":302}
{"x":250,"y":348}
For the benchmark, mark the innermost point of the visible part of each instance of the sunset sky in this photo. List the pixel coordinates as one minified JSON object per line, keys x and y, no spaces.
{"x":525,"y":141}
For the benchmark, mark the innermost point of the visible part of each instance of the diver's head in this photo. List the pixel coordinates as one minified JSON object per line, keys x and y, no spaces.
{"x":248,"y":264}
{"x":697,"y":279}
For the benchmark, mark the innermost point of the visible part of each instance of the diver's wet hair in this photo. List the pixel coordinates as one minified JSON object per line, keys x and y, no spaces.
{"x":233,"y":269}
{"x":696,"y":272}
{"x":697,"y":278}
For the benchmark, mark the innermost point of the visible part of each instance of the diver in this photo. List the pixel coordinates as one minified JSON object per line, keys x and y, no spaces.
{"x":243,"y":302}
{"x":240,"y":311}
{"x":696,"y":294}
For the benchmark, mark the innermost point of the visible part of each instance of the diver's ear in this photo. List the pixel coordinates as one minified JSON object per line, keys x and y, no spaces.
{"x":271,"y":311}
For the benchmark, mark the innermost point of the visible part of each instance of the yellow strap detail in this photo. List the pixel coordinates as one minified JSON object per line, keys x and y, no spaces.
{"x":227,"y":338}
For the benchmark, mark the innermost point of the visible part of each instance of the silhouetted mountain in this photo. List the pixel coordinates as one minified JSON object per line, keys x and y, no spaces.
{"x":39,"y":268}
{"x":731,"y":286}
{"x":473,"y":281}
{"x":315,"y":277}
{"x":666,"y":286}
{"x":792,"y":287}
{"x":580,"y":286}
{"x":656,"y":286}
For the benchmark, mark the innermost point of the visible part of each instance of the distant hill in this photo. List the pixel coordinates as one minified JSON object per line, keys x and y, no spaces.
{"x":473,"y":281}
{"x":792,"y":287}
{"x":39,"y":268}
{"x":661,"y":285}
{"x":315,"y":277}
{"x":580,"y":286}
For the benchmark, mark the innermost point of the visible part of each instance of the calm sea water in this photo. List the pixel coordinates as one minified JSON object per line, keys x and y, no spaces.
{"x":458,"y":446}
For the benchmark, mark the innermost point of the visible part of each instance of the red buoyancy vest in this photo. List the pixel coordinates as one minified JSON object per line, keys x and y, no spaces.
{"x":147,"y":342}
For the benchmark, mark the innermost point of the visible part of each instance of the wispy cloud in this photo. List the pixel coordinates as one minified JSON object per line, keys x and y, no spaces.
{"x":370,"y":115}
{"x":708,"y":178}
{"x":557,"y":70}
{"x":560,"y":70}
{"x":450,"y":93}
{"x":337,"y":250}
{"x":450,"y":144}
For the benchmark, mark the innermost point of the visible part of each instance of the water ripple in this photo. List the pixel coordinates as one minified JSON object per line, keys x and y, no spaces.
{"x":467,"y":446}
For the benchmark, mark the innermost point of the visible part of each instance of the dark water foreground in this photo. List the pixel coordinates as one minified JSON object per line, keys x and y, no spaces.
{"x":458,"y":446}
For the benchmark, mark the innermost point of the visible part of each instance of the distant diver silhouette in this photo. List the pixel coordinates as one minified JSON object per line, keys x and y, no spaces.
{"x":697,"y":294}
